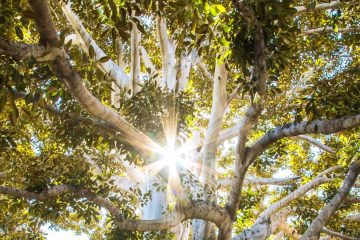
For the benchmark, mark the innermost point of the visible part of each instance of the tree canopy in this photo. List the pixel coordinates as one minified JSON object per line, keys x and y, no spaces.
{"x":181,"y":119}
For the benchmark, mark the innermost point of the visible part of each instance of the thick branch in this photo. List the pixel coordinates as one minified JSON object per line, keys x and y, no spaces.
{"x":241,"y":164}
{"x":295,"y":129}
{"x":65,"y":72}
{"x":208,"y":212}
{"x":313,"y":232}
{"x":19,"y":51}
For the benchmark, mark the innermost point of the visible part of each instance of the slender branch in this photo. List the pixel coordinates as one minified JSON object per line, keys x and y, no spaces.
{"x":268,"y":220}
{"x":241,"y":164}
{"x":291,"y":197}
{"x":115,"y":93}
{"x":186,"y":62}
{"x":233,"y":94}
{"x":318,"y":7}
{"x":316,"y":143}
{"x":209,"y":147}
{"x":313,"y":232}
{"x":115,"y":71}
{"x":353,"y":218}
{"x":261,"y":181}
{"x":336,"y":234}
{"x":330,"y":30}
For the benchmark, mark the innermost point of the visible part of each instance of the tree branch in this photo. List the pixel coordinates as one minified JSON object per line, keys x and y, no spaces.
{"x":20,"y":51}
{"x":209,"y":148}
{"x":55,"y":191}
{"x":115,"y":72}
{"x":266,"y":221}
{"x":353,"y":218}
{"x":66,"y":73}
{"x":289,"y":231}
{"x":316,"y":143}
{"x":186,"y":62}
{"x":313,"y":232}
{"x":135,"y":56}
{"x":167,"y":50}
{"x":330,"y":30}
{"x":351,"y":200}
{"x":261,"y":181}
{"x":295,"y":129}
{"x":318,"y":7}
{"x":336,"y":234}
{"x":200,"y":210}
{"x":215,"y":121}
{"x":291,"y":197}
{"x":254,"y":110}
{"x":204,"y":70}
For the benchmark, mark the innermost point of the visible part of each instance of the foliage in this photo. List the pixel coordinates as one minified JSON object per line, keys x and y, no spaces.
{"x":45,"y":134}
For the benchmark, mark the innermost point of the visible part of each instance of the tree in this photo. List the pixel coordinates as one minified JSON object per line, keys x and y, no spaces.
{"x":118,"y":118}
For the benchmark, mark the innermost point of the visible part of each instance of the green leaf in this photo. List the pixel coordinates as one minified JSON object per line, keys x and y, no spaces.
{"x":224,"y":42}
{"x":213,"y":11}
{"x":104,"y":59}
{"x":91,"y":52}
{"x":220,"y":8}
{"x":19,"y":33}
{"x":68,"y":44}
{"x":61,"y":41}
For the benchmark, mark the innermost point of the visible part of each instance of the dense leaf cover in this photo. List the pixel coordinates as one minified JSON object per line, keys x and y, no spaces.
{"x":45,"y":134}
